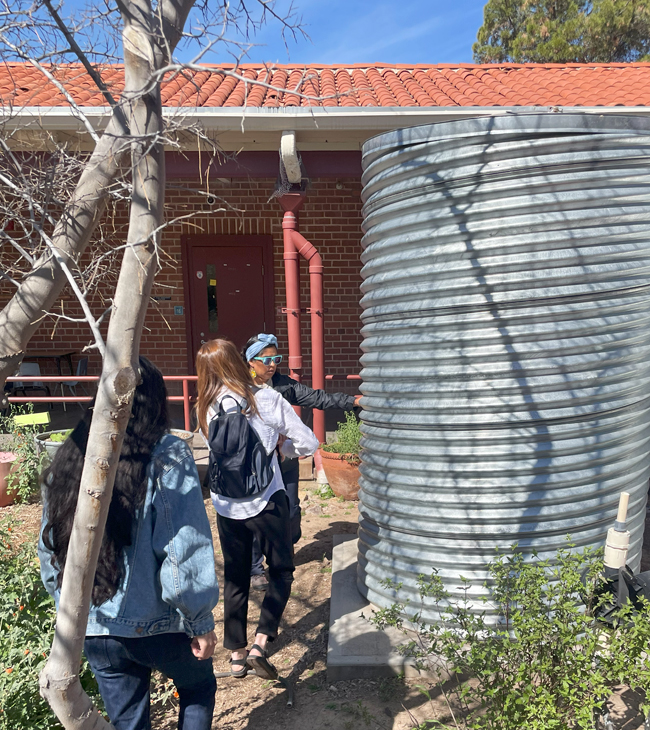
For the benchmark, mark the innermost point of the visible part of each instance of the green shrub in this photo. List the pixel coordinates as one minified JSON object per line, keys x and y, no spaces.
{"x":324,"y":491}
{"x":27,"y":617}
{"x":549,"y":665}
{"x":24,"y":479}
{"x":60,"y":436}
{"x":347,"y":438}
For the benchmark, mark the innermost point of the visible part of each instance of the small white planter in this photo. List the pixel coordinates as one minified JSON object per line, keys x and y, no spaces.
{"x":43,"y":443}
{"x":187,"y":436}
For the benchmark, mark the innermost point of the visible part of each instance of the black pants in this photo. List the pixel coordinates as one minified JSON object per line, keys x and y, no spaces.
{"x":290,"y":469}
{"x":273,"y":530}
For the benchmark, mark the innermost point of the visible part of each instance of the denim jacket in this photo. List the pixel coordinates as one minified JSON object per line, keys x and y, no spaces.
{"x":169,"y":582}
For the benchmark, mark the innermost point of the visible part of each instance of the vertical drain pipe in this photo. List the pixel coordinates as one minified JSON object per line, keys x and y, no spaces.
{"x":308,"y":251}
{"x":290,"y":204}
{"x":296,"y":245}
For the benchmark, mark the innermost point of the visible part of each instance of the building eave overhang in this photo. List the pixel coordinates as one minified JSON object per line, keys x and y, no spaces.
{"x":252,"y":129}
{"x":278,"y":119}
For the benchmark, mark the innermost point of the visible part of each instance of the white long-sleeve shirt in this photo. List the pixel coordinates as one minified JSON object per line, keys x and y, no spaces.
{"x":275,"y":417}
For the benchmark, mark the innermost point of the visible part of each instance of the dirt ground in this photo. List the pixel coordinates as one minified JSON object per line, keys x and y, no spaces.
{"x":301,"y":648}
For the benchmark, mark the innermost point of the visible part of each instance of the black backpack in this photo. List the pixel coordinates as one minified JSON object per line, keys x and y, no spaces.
{"x":239,"y":465}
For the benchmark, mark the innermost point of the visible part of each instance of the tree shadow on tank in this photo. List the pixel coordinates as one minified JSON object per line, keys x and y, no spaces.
{"x":516,"y":241}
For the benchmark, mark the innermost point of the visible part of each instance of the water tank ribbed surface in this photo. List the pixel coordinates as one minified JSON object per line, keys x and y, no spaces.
{"x":506,"y":365}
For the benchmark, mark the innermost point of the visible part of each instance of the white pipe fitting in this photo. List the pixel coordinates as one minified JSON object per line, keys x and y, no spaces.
{"x":289,"y":156}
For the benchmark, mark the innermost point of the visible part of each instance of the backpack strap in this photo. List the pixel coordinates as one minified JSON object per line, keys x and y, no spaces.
{"x":232,"y":398}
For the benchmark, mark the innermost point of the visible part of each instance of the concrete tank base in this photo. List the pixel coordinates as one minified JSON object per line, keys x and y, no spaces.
{"x":356,"y":649}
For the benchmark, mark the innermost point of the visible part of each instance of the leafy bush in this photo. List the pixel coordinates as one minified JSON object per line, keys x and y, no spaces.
{"x":60,"y":436}
{"x":24,"y":479}
{"x":324,"y":491}
{"x":549,"y":664}
{"x":348,"y":435}
{"x":27,"y":617}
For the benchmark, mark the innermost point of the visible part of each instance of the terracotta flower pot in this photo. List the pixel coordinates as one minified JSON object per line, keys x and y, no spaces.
{"x":7,"y":465}
{"x":342,"y":476}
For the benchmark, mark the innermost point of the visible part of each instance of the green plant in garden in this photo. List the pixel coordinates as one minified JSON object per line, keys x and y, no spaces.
{"x":27,"y":617}
{"x":549,"y":664}
{"x":324,"y":491}
{"x":60,"y":436}
{"x":23,"y":481}
{"x":348,"y":435}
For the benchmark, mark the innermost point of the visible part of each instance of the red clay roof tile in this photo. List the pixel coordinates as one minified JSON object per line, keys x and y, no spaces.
{"x":357,"y":85}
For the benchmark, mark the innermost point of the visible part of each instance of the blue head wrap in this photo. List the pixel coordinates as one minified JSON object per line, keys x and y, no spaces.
{"x":263,"y":341}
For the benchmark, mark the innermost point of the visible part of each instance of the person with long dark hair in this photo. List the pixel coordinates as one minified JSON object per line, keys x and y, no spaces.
{"x":223,"y":377}
{"x":155,"y":586}
{"x":261,"y":355}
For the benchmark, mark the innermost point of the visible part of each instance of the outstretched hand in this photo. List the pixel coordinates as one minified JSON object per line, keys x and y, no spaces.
{"x":203,"y":646}
{"x":357,"y":400}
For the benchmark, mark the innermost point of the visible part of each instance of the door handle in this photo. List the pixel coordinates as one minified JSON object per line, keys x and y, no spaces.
{"x":203,"y":342}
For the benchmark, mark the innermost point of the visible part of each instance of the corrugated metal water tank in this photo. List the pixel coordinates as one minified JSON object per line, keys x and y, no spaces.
{"x":506,"y":365}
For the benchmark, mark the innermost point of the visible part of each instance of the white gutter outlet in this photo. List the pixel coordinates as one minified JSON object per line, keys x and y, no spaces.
{"x":289,"y":156}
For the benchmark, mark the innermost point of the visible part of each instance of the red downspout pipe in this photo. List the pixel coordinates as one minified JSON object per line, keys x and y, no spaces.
{"x":295,"y":245}
{"x":311,"y":255}
{"x":292,"y":284}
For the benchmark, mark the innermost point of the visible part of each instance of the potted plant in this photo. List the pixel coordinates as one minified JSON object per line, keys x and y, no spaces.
{"x":48,"y":442}
{"x":20,"y":462}
{"x":181,"y":433}
{"x":341,"y":458}
{"x":7,"y":469}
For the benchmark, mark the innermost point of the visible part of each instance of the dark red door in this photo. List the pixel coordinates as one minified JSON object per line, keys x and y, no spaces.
{"x":226,"y":293}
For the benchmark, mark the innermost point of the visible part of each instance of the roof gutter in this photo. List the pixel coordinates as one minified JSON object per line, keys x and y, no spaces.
{"x":279,"y":119}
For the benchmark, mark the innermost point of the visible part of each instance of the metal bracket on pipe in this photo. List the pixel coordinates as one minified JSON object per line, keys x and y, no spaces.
{"x":319,"y":312}
{"x":295,"y":312}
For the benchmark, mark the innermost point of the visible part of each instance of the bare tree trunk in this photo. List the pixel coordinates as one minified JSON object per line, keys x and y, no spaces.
{"x":60,"y":679}
{"x":41,"y":287}
{"x":23,"y":314}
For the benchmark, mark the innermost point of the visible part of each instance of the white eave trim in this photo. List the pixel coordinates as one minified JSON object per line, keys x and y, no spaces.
{"x":278,"y":119}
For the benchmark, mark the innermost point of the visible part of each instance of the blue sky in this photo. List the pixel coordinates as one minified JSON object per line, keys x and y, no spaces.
{"x":359,"y":31}
{"x":368,"y":31}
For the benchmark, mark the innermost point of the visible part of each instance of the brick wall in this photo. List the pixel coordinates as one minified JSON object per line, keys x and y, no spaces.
{"x":330,"y":219}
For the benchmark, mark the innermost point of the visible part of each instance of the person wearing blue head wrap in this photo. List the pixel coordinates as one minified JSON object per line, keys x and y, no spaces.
{"x":261,"y":355}
{"x":261,"y":342}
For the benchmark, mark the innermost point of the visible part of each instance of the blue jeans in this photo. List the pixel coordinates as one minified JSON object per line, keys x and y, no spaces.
{"x":123,"y":670}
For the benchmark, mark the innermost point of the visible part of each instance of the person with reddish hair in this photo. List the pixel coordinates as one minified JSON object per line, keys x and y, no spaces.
{"x":261,"y":355}
{"x":225,"y":386}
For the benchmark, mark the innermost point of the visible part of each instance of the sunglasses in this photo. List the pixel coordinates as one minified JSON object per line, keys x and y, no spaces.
{"x":266,"y":361}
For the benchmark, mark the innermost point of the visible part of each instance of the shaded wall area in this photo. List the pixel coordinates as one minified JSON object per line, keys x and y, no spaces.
{"x":330,"y":218}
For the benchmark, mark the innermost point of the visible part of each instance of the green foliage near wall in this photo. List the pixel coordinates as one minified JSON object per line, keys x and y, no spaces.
{"x":549,"y":664}
{"x":564,"y":31}
{"x":20,"y":441}
{"x":27,"y":618}
{"x":347,"y":438}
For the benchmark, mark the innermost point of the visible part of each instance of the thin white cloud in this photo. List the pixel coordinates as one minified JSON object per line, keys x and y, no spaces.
{"x":379,"y":40}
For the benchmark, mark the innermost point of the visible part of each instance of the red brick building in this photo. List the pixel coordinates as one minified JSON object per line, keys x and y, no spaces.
{"x":223,"y":269}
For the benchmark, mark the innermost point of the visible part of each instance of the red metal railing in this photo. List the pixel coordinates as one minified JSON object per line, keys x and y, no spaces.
{"x":186,"y":399}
